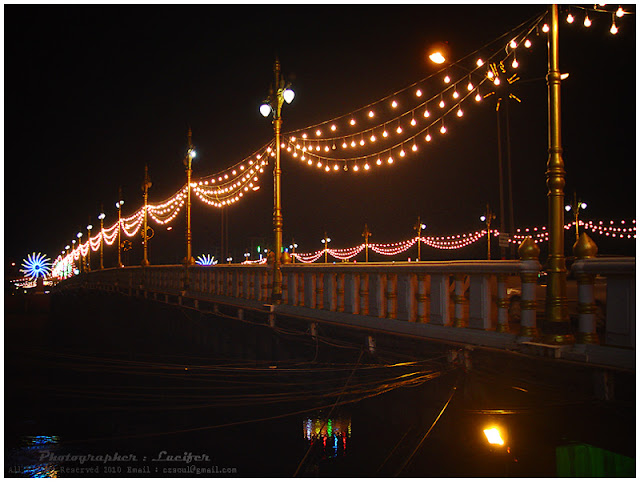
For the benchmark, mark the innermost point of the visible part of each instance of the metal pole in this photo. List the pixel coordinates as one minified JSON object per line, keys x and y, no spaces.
{"x":276,"y":294}
{"x":101,"y":241}
{"x":512,"y":246}
{"x":145,"y":189}
{"x":119,"y":230}
{"x":188,"y":260}
{"x":500,"y":175}
{"x":557,"y":328}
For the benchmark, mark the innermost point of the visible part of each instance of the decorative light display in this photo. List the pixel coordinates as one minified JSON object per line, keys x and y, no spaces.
{"x":206,"y":260}
{"x":389,"y":127}
{"x":598,"y":10}
{"x":36,"y":266}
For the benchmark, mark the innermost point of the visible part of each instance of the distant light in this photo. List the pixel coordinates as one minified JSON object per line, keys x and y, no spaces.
{"x":288,"y":95}
{"x":66,"y":247}
{"x":613,"y":29}
{"x":570,"y":18}
{"x":583,"y":206}
{"x":567,"y":208}
{"x":192,"y":153}
{"x":79,"y":235}
{"x":89,"y":226}
{"x":101,"y":216}
{"x":620,"y":12}
{"x":493,"y":436}
{"x":496,"y":81}
{"x":265,"y":110}
{"x":515,"y":64}
{"x":513,"y":44}
{"x":545,"y":28}
{"x":447,"y":79}
{"x":437,"y":58}
{"x":564,"y":76}
{"x":480,"y":62}
{"x":587,"y":21}
{"x":169,"y":228}
{"x":483,"y":218}
{"x":527,"y":43}
{"x":423,"y":226}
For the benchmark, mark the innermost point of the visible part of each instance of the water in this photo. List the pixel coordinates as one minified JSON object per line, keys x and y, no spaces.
{"x":105,"y":388}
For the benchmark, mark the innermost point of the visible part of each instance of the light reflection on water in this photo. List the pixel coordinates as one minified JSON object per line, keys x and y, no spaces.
{"x":27,"y":456}
{"x":334,"y":433}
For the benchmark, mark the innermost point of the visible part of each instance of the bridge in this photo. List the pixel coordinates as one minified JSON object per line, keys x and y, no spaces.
{"x":464,"y":304}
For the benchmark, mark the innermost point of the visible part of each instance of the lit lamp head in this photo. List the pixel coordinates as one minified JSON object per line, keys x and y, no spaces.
{"x":67,"y":247}
{"x":325,"y":240}
{"x":101,"y":216}
{"x":483,"y":218}
{"x":583,"y":206}
{"x":437,"y":58}
{"x":89,"y":227}
{"x":567,"y":207}
{"x":288,"y":95}
{"x":79,"y":235}
{"x":192,"y":153}
{"x":265,"y":109}
{"x":73,"y":241}
{"x":493,"y":436}
{"x":423,"y":226}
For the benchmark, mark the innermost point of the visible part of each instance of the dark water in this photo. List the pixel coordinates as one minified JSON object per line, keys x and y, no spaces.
{"x":102,"y":387}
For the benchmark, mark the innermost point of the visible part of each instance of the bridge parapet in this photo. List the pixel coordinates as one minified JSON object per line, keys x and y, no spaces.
{"x":488,"y":303}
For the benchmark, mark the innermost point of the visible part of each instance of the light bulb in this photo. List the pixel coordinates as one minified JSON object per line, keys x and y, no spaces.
{"x":288,"y":95}
{"x":478,"y":97}
{"x":459,"y":113}
{"x":413,"y":122}
{"x":394,"y":104}
{"x":390,"y":160}
{"x":496,"y":81}
{"x":443,"y":129}
{"x":455,"y":94}
{"x":426,"y":113}
{"x":385,"y":133}
{"x":335,"y":167}
{"x":567,"y":208}
{"x":379,"y":161}
{"x":569,"y":18}
{"x":371,"y":114}
{"x":333,"y":127}
{"x":587,"y":21}
{"x":545,"y":28}
{"x":620,"y":12}
{"x":447,"y":79}
{"x":427,"y":138}
{"x":418,"y":93}
{"x":353,"y":143}
{"x":414,"y":148}
{"x":318,"y":132}
{"x":372,"y":138}
{"x":366,"y":167}
{"x":355,"y":168}
{"x":352,"y":122}
{"x":399,"y":130}
{"x":527,"y":43}
{"x":469,"y":86}
{"x":265,"y":110}
{"x":362,"y":142}
{"x":513,"y":44}
{"x":402,"y":153}
{"x":515,"y":63}
{"x":613,"y":29}
{"x":480,"y":62}
{"x":441,"y":104}
{"x":490,"y":74}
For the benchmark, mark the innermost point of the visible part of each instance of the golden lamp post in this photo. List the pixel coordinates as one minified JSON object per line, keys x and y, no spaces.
{"x":79,"y":235}
{"x":557,"y":328}
{"x":293,"y":247}
{"x":326,"y":240}
{"x":366,"y":233}
{"x":191,"y":153}
{"x":119,"y":205}
{"x":101,"y":217}
{"x":576,"y":207}
{"x":146,"y":184}
{"x":487,"y":217}
{"x":279,"y":93}
{"x":419,"y":227}
{"x":89,"y":228}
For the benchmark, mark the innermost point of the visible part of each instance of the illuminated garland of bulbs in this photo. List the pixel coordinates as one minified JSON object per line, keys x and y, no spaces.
{"x":588,"y":21}
{"x":315,"y":144}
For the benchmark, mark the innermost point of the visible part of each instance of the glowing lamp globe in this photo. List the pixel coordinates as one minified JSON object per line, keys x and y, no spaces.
{"x":437,"y":58}
{"x":567,"y":208}
{"x":583,"y":206}
{"x":288,"y":95}
{"x":192,"y":153}
{"x":79,"y":235}
{"x":101,"y":216}
{"x":265,"y":110}
{"x":483,"y":218}
{"x":89,"y":226}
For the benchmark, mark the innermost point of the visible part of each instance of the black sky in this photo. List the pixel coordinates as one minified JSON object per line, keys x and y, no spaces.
{"x":93,"y":93}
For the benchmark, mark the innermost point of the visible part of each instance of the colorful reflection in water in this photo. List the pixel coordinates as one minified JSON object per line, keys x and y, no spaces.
{"x":29,"y":454}
{"x":333,"y":433}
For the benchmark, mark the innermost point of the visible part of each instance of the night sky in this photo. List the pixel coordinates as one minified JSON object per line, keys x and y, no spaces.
{"x":93,"y":93}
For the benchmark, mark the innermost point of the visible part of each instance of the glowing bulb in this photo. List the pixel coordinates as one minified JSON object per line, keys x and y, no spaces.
{"x":614,"y":29}
{"x":426,"y":113}
{"x":493,"y":436}
{"x":355,"y":168}
{"x":620,"y":12}
{"x":441,"y":104}
{"x":366,"y":167}
{"x":379,"y":161}
{"x":390,"y":160}
{"x":418,"y":93}
{"x":469,"y":86}
{"x":569,"y":18}
{"x":427,"y":138}
{"x":459,"y":113}
{"x":513,"y":44}
{"x":455,"y":94}
{"x":353,"y":143}
{"x":371,"y":114}
{"x":319,"y":165}
{"x":443,"y":129}
{"x":414,"y":148}
{"x":496,"y":81}
{"x":480,"y":62}
{"x":372,"y":138}
{"x":527,"y":43}
{"x":265,"y":110}
{"x":437,"y":57}
{"x":545,"y":28}
{"x":335,"y":167}
{"x":333,"y":127}
{"x":515,"y":63}
{"x":447,"y":79}
{"x":478,"y":97}
{"x":362,"y":142}
{"x":402,"y":153}
{"x":304,"y":136}
{"x":587,"y":21}
{"x":583,"y":206}
{"x":288,"y":95}
{"x":318,"y":132}
{"x":352,"y":122}
{"x":344,"y":145}
{"x":394,"y":104}
{"x":385,"y":133}
{"x":490,"y":74}
{"x":399,"y":130}
{"x":413,"y":122}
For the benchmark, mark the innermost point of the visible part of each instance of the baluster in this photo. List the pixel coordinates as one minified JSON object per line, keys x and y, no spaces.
{"x":285,"y":288}
{"x":376,"y":290}
{"x":340,"y":292}
{"x":480,"y":302}
{"x":407,"y":288}
{"x":351,"y":299}
{"x":421,"y":297}
{"x":585,"y":248}
{"x":319,"y":291}
{"x":529,"y":268}
{"x":459,"y":302}
{"x":329,"y":299}
{"x":503,"y":305}
{"x":309,"y":290}
{"x":392,"y":296}
{"x":364,"y":293}
{"x":440,"y":300}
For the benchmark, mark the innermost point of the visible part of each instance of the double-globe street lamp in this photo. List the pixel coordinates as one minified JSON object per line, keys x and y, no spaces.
{"x":89,"y":228}
{"x":279,"y":93}
{"x":119,"y":205}
{"x":101,"y":217}
{"x":576,"y":206}
{"x":326,"y":240}
{"x":191,"y":153}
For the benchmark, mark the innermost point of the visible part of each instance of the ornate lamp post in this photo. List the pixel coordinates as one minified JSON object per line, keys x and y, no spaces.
{"x":79,"y":235}
{"x":419,"y":227}
{"x":326,"y":240}
{"x":557,"y":328}
{"x":101,"y":217}
{"x":366,"y":233}
{"x":89,"y":228}
{"x":191,"y":153}
{"x":487,"y":217}
{"x":575,"y":207}
{"x":146,"y":184}
{"x":278,"y":94}
{"x":119,"y":205}
{"x":293,"y":247}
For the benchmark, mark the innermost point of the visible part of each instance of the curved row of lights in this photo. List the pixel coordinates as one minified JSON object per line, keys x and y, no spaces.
{"x":366,"y":137}
{"x":599,"y":10}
